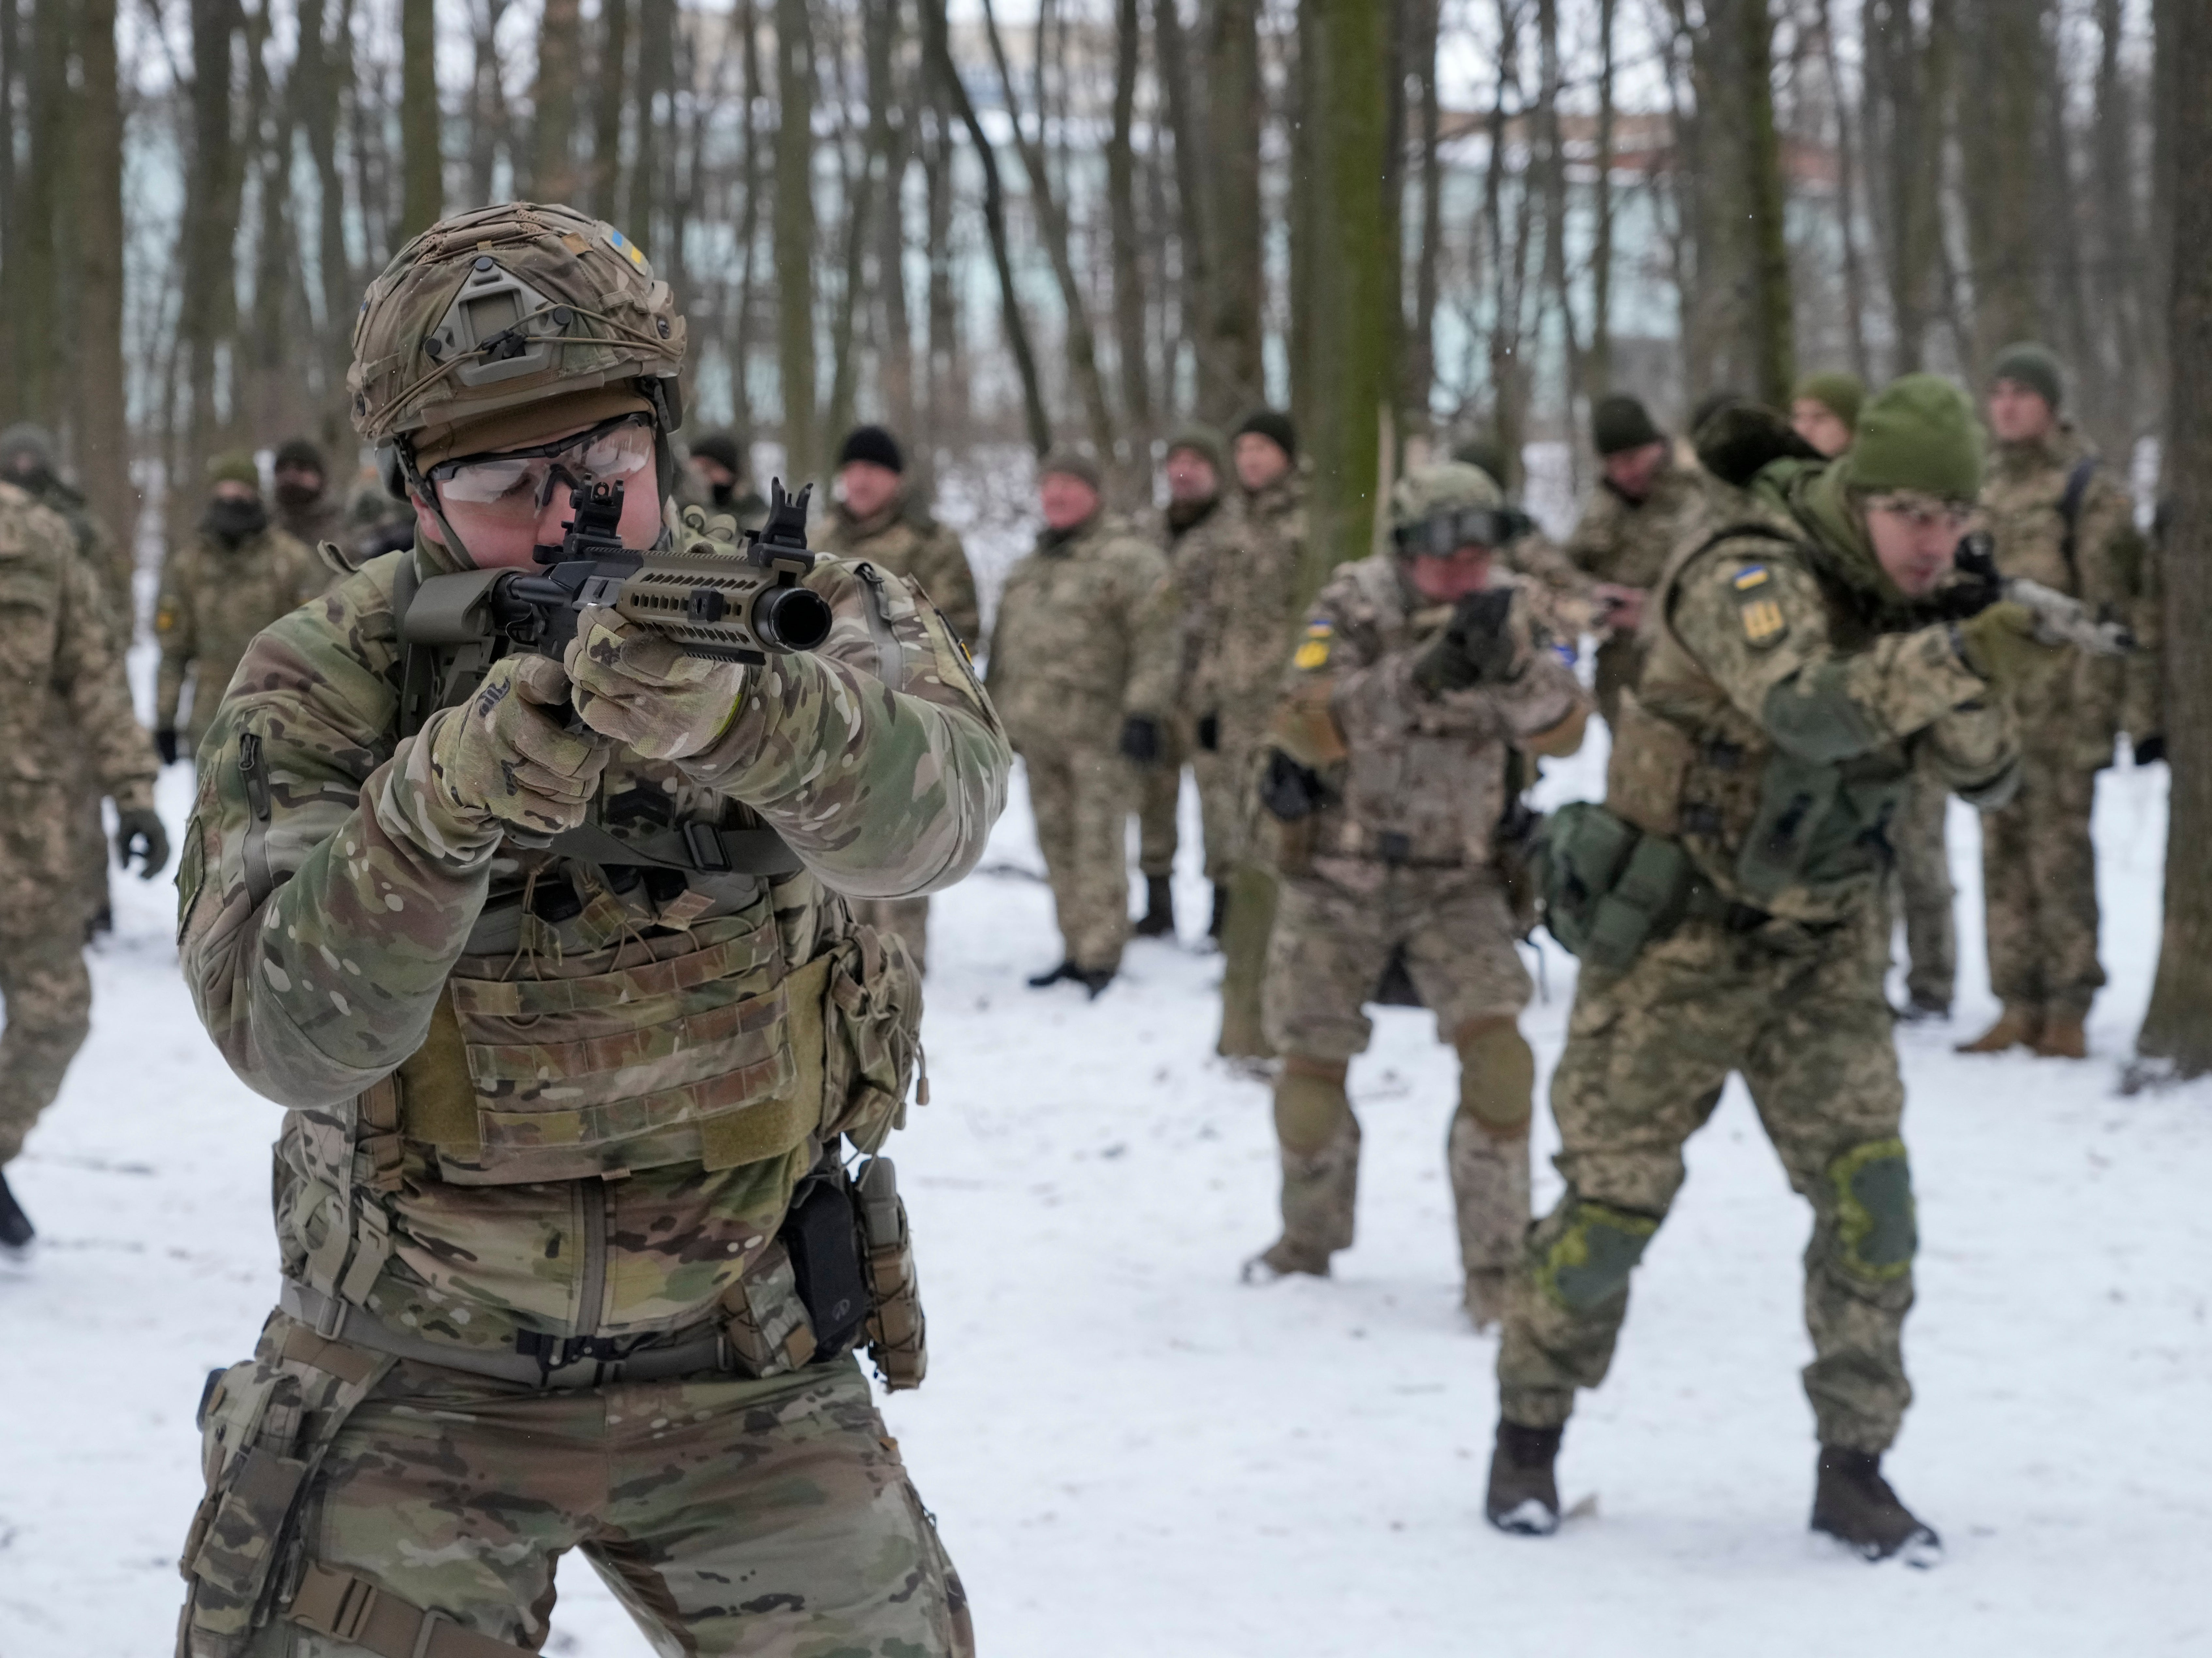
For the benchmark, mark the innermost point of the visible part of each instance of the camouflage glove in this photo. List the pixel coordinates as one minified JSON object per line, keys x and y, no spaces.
{"x":1999,"y":643}
{"x":139,"y":834}
{"x":639,"y":688}
{"x":503,"y":758}
{"x":1477,"y":647}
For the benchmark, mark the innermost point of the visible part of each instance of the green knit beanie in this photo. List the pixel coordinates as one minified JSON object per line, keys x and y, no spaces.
{"x":2036,"y":366}
{"x":1919,"y":433}
{"x":1202,"y":440}
{"x":1839,"y":393}
{"x":235,"y":466}
{"x":1619,"y":423}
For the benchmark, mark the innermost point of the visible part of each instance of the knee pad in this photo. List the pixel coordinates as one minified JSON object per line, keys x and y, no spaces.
{"x":1584,"y":1254}
{"x":1877,"y":1228}
{"x":1310,"y":1106}
{"x":1496,"y":1075}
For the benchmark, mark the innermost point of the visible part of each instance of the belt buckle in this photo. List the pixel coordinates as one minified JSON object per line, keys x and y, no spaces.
{"x":704,"y":843}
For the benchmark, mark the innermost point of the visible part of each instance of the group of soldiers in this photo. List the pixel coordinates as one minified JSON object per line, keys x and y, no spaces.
{"x":589,"y":972}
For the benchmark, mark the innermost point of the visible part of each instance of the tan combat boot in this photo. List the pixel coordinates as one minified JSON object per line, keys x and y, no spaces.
{"x":2062,"y":1038}
{"x":2016,"y":1027}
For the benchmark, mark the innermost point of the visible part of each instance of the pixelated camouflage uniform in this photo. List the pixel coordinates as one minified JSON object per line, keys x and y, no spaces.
{"x":904,"y":540}
{"x":1084,"y":638}
{"x":600,"y":1113}
{"x":1630,"y":543}
{"x":112,"y":563}
{"x":67,"y":706}
{"x":1399,"y":861}
{"x":1189,"y":536}
{"x":1789,"y":692}
{"x":1926,"y":901}
{"x":215,"y":598}
{"x":2039,"y":865}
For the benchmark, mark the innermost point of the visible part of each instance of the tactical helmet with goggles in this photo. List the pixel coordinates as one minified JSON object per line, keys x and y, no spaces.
{"x":489,"y":316}
{"x":1436,"y":510}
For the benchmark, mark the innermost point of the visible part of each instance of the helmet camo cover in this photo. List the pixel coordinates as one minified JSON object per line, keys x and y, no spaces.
{"x":508,"y":305}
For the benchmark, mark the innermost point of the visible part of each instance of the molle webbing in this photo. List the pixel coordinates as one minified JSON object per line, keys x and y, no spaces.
{"x":349,"y":1609}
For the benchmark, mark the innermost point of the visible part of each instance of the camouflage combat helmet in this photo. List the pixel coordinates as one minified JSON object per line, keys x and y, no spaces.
{"x":505,"y":306}
{"x":1450,"y":504}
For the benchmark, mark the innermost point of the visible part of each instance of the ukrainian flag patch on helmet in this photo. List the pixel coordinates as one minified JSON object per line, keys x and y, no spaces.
{"x":629,"y":249}
{"x":1313,"y":650}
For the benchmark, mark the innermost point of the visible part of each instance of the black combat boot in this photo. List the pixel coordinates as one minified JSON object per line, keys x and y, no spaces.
{"x":1159,"y":909}
{"x":1092,"y":978}
{"x":15,"y":1229}
{"x":1220,"y":913}
{"x":1052,"y":976}
{"x":1854,"y":1505}
{"x":1524,"y":1493}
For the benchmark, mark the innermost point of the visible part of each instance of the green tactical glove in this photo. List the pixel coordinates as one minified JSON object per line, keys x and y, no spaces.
{"x":1999,"y":643}
{"x":1477,"y":647}
{"x":638,"y":688}
{"x":504,"y":758}
{"x":139,"y":834}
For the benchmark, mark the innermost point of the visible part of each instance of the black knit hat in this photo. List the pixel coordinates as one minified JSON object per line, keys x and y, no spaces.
{"x":1619,"y":423}
{"x":302,"y":453}
{"x":722,"y":448}
{"x":871,"y":444}
{"x":1274,"y":425}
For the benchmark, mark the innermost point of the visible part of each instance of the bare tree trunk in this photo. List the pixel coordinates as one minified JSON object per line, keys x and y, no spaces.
{"x":1129,"y":254}
{"x":1231,"y":374}
{"x":1419,"y":363}
{"x":207,"y":303}
{"x":2003,"y":152}
{"x":11,"y":266}
{"x":794,"y":239}
{"x":655,"y":99}
{"x":879,"y":28}
{"x":1194,"y":237}
{"x":1847,"y":194}
{"x":1909,"y":86}
{"x":320,"y":97}
{"x":2177,"y":1033}
{"x":613,"y":74}
{"x":422,"y":201}
{"x":1508,"y":254}
{"x":1598,"y":369}
{"x":36,"y":251}
{"x":946,"y":393}
{"x":1554,"y":160}
{"x":271,"y":378}
{"x":103,"y":433}
{"x":1052,"y":231}
{"x":895,"y":350}
{"x":553,"y":102}
{"x":1345,"y":51}
{"x":488,"y":116}
{"x":2119,"y":225}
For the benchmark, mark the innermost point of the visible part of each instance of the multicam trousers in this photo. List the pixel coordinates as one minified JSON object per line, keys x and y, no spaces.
{"x":2039,"y":887}
{"x":1082,"y":799}
{"x":1803,"y":1019}
{"x":764,"y":1517}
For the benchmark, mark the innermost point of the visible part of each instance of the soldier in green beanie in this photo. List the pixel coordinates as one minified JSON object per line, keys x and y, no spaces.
{"x":1824,"y":410}
{"x":2057,"y":516}
{"x":1727,"y":901}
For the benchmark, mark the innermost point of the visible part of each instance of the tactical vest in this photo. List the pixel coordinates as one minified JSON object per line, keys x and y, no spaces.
{"x":625,"y":1002}
{"x":1798,"y":838}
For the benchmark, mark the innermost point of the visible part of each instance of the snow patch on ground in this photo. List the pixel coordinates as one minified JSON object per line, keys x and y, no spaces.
{"x":1129,"y":1452}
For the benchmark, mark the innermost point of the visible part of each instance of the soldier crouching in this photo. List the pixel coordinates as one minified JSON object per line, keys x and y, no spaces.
{"x":572,"y":1020}
{"x":1415,"y":678}
{"x":1728,"y":904}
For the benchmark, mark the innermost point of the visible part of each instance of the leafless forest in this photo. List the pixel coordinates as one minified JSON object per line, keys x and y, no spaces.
{"x":1414,"y":222}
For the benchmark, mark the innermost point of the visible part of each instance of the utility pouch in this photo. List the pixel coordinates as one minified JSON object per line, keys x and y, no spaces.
{"x":872,"y":1031}
{"x":1609,"y":887}
{"x":822,"y":1236}
{"x":897,"y":1333}
{"x":1795,"y":799}
{"x":266,"y":1426}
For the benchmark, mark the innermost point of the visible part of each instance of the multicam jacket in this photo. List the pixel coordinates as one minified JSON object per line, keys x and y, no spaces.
{"x":906,"y":541}
{"x":2071,"y":716}
{"x":1084,"y":636}
{"x":63,"y":699}
{"x":1411,"y":778}
{"x":548,"y":1095}
{"x":1790,"y":691}
{"x":215,"y":598}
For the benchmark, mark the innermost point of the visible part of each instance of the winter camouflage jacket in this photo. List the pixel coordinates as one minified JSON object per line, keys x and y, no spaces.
{"x":1247,"y":617}
{"x":1084,"y":636}
{"x":1790,"y":691}
{"x":64,"y":700}
{"x":2071,"y":717}
{"x":215,"y":598}
{"x":1193,"y":537}
{"x":323,"y":518}
{"x":1630,"y":543}
{"x":906,"y":541}
{"x":1420,"y":778}
{"x":563,"y":1093}
{"x":110,"y":560}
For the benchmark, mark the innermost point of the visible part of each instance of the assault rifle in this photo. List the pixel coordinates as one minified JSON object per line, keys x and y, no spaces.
{"x":708,"y":603}
{"x":2058,"y":620}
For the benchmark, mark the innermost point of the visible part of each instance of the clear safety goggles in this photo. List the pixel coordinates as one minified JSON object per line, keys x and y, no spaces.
{"x":1442,"y":534}
{"x":522,"y":481}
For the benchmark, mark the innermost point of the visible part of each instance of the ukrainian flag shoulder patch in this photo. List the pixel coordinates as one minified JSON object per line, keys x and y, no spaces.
{"x":1313,"y":650}
{"x":1752,"y":575}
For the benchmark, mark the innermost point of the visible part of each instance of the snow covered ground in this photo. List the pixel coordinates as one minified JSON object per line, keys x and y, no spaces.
{"x":1130,"y":1453}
